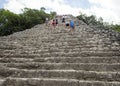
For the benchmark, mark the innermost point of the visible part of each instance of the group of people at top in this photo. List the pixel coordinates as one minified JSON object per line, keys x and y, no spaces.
{"x":67,"y":22}
{"x":53,"y":22}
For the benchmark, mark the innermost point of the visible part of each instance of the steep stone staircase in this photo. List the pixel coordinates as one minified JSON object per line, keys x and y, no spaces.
{"x":41,"y":56}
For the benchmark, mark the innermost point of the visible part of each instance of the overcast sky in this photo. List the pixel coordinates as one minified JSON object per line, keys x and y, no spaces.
{"x":109,"y":10}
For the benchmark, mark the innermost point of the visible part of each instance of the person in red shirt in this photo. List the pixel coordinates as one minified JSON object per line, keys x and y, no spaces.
{"x":54,"y":23}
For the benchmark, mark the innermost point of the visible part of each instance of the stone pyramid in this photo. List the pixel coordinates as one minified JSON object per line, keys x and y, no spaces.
{"x":41,"y":56}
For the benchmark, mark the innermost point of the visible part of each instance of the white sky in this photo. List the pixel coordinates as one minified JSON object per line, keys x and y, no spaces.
{"x":109,"y":10}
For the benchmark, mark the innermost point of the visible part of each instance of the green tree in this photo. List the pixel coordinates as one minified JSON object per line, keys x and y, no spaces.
{"x":42,"y":8}
{"x":53,"y":14}
{"x":90,"y":20}
{"x":34,"y":16}
{"x":116,"y":27}
{"x":9,"y":22}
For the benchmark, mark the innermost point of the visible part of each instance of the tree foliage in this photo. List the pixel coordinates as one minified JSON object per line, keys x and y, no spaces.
{"x":42,"y":9}
{"x":92,"y":20}
{"x":116,"y":27}
{"x":11,"y":22}
{"x":53,"y":14}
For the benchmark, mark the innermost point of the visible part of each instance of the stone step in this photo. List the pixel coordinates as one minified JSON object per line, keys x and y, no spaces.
{"x":60,"y":66}
{"x":66,"y":53}
{"x":63,"y":40}
{"x":64,"y":74}
{"x":19,"y":55}
{"x":61,"y":59}
{"x":15,"y":60}
{"x":64,"y":34}
{"x":74,"y":41}
{"x":2,"y":81}
{"x":66,"y":50}
{"x":55,"y":51}
{"x":82,"y":53}
{"x":78,"y":59}
{"x":70,"y":46}
{"x":4,"y":45}
{"x":55,"y":82}
{"x":7,"y":47}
